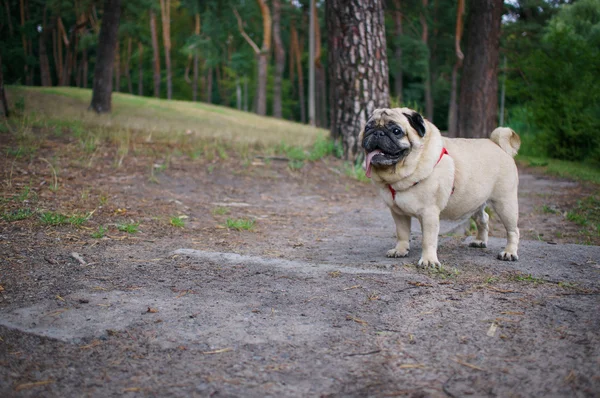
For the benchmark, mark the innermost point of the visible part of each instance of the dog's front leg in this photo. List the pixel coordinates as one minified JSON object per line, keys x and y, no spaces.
{"x":402,"y":234}
{"x":430,"y":226}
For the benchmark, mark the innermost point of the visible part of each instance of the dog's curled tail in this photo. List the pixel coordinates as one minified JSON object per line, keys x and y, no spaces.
{"x":506,"y":139}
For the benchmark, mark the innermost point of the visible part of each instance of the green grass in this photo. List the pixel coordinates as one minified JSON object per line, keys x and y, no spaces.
{"x":177,"y":221}
{"x":528,"y":278}
{"x":587,"y":213}
{"x":55,"y":219}
{"x":356,"y":172}
{"x":563,"y":168}
{"x":240,"y":224}
{"x":16,"y":215}
{"x":100,"y":233}
{"x":130,"y":228}
{"x":549,"y":210}
{"x":219,"y":211}
{"x":158,"y":119}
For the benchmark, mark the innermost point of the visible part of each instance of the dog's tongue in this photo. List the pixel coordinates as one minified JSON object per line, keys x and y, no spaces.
{"x":368,"y":162}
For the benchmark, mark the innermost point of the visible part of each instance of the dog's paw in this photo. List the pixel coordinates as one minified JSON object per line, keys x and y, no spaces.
{"x":478,"y":243}
{"x":395,"y":253}
{"x":430,"y":262}
{"x":507,"y":256}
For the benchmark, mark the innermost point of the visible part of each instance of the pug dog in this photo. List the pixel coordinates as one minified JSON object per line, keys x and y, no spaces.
{"x":421,"y":174}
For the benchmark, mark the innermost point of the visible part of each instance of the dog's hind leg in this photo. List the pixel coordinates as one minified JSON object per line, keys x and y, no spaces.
{"x":403,"y":235}
{"x":508,"y":211}
{"x":481,"y":219}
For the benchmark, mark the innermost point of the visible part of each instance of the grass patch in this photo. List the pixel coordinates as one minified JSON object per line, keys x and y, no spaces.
{"x":17,"y":215}
{"x":356,"y":172}
{"x":240,"y":224}
{"x":100,"y":232}
{"x":295,"y":164}
{"x":55,"y":219}
{"x":549,"y":210}
{"x":587,"y":213}
{"x":130,"y":228}
{"x":219,"y":211}
{"x":527,"y":278}
{"x":177,"y":221}
{"x":563,"y":168}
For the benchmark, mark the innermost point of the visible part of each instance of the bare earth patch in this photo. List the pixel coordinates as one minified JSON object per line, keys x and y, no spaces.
{"x":275,"y":283}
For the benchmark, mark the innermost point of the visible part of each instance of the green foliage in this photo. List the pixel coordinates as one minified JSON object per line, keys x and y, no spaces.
{"x":177,"y":221}
{"x":220,"y":211}
{"x":53,"y":218}
{"x":130,"y":228}
{"x":587,"y":213}
{"x":16,"y":215}
{"x":564,"y":84}
{"x":356,"y":172}
{"x":240,"y":224}
{"x":100,"y":233}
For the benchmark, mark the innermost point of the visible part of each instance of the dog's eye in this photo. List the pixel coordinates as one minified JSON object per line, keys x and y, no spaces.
{"x":397,"y":131}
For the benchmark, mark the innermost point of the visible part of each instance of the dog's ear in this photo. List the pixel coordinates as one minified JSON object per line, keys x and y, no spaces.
{"x":416,"y":122}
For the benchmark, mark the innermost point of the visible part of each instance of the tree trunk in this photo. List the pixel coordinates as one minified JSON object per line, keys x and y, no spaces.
{"x":262,"y":55}
{"x":209,"y":84}
{"x":3,"y":102}
{"x":311,"y":64}
{"x":46,"y":77}
{"x":425,"y":39}
{"x":245,"y":94}
{"x":296,"y":48}
{"x":478,"y":108}
{"x":238,"y":95}
{"x":117,"y":87}
{"x":102,"y":91}
{"x":24,"y":41}
{"x":8,"y":19}
{"x":165,"y":13}
{"x":398,"y":76}
{"x":358,"y":67}
{"x":155,"y":54}
{"x":196,"y":62}
{"x":84,"y":60}
{"x":320,"y":81}
{"x":127,"y":66}
{"x":453,"y":108}
{"x":279,"y":59}
{"x":140,"y":69}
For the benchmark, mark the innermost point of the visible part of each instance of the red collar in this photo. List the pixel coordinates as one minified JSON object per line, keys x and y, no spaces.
{"x":444,"y":152}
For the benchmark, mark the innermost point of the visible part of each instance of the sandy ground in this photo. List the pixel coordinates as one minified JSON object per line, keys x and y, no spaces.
{"x":304,"y":304}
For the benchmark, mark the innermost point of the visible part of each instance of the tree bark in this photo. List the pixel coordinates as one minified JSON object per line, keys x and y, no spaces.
{"x":102,"y":91}
{"x":46,"y":77}
{"x":209,"y":85}
{"x":358,"y":67}
{"x":453,"y":108}
{"x":84,"y":60}
{"x":127,"y":66}
{"x":262,"y":55}
{"x":297,"y":49}
{"x":320,"y":81}
{"x":311,"y":64}
{"x":425,"y":39}
{"x":196,"y":61}
{"x":3,"y":102}
{"x":7,"y":10}
{"x":279,"y":60}
{"x":117,"y":73}
{"x":140,"y":69}
{"x":155,"y":54}
{"x":24,"y":42}
{"x":398,"y":32}
{"x":165,"y":13}
{"x":478,"y":108}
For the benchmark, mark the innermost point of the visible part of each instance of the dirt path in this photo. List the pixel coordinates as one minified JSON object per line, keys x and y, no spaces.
{"x":304,"y":304}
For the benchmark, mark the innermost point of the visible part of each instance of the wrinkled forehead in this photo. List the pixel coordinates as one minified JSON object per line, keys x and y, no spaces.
{"x":384,"y":117}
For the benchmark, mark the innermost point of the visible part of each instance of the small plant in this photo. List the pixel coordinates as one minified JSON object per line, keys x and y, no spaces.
{"x":23,"y":195}
{"x":130,"y":228}
{"x":295,"y":164}
{"x":54,"y":186}
{"x":220,"y":211}
{"x":240,"y":224}
{"x":177,"y":221}
{"x":53,"y":218}
{"x":78,"y":220}
{"x":549,"y":210}
{"x":16,"y":215}
{"x":356,"y":172}
{"x":100,"y":233}
{"x":519,"y":277}
{"x":103,"y":200}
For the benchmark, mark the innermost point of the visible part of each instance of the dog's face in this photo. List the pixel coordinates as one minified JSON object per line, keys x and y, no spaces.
{"x":390,"y":135}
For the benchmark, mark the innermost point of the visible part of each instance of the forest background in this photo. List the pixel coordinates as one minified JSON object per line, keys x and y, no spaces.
{"x":210,"y":51}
